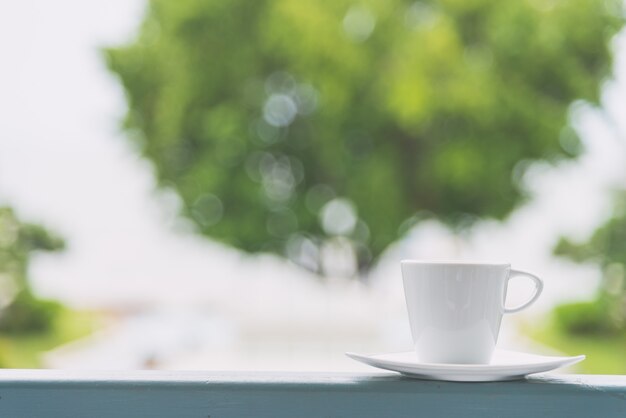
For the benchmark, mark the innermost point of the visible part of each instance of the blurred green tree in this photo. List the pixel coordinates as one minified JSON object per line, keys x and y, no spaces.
{"x":286,"y":125}
{"x":20,"y":311}
{"x":606,"y":314}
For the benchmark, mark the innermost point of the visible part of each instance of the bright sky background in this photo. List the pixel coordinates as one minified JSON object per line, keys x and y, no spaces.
{"x":64,"y":163}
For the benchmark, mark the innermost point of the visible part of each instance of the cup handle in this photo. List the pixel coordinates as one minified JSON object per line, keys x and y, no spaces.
{"x":538,"y":290}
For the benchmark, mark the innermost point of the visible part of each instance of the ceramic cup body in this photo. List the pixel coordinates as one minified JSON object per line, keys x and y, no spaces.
{"x":455,"y":309}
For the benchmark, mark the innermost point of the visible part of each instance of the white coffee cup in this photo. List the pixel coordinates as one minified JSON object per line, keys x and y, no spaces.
{"x":455,"y":309}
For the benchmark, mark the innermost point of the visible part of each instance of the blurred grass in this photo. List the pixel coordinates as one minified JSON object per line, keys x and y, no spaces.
{"x":24,"y":351}
{"x":606,"y":354}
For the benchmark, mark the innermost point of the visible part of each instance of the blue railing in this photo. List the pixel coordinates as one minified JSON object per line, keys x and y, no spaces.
{"x":156,"y":394}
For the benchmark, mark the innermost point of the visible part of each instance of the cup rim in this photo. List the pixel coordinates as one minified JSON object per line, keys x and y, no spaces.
{"x":453,"y":263}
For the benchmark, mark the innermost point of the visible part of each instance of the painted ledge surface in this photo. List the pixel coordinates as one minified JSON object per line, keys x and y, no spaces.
{"x":156,"y":394}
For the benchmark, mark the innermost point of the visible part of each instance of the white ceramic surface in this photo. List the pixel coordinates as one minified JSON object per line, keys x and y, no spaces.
{"x":505,"y":365}
{"x":455,"y":309}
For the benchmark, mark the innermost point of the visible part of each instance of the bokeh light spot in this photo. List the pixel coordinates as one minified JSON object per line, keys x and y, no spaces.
{"x":269,"y":134}
{"x":338,"y":217}
{"x":207,"y":210}
{"x":359,"y":23}
{"x":279,"y":110}
{"x":303,"y":252}
{"x":280,"y":82}
{"x":306,"y":99}
{"x":420,"y":15}
{"x":277,"y":176}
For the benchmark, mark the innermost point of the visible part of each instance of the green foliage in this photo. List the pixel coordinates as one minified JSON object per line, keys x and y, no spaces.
{"x":608,"y":243}
{"x":607,"y":247}
{"x":604,"y":351}
{"x":23,"y":349}
{"x":590,"y":318}
{"x":28,"y":315}
{"x":20,"y":311}
{"x":285,"y":124}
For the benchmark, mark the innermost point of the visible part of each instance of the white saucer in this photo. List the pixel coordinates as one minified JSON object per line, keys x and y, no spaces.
{"x":505,"y":365}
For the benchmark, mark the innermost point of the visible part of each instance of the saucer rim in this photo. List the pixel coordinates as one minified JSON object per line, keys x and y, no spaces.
{"x":456,"y":263}
{"x":552,"y":361}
